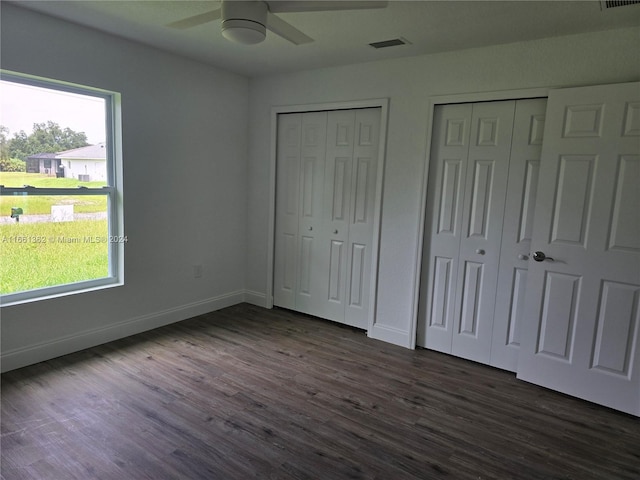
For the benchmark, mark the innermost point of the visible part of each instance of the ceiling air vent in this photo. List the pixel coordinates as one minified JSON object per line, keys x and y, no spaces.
{"x":392,"y":43}
{"x":605,"y":4}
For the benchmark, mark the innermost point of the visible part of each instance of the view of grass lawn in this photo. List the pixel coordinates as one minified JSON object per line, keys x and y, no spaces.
{"x":45,"y":253}
{"x":41,"y":204}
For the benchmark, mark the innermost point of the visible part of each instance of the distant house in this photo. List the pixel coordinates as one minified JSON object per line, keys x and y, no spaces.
{"x":84,"y":163}
{"x":46,"y":163}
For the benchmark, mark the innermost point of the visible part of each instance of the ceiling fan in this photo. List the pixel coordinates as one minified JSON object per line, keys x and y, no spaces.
{"x":247,"y":21}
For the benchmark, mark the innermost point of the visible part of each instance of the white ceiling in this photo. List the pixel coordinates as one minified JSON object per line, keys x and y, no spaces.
{"x":342,"y":37}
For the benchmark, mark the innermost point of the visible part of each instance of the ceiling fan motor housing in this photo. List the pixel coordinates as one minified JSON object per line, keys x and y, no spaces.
{"x":244,"y":22}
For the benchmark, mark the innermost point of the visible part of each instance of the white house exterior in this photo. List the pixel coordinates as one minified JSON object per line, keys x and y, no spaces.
{"x":87,"y":164}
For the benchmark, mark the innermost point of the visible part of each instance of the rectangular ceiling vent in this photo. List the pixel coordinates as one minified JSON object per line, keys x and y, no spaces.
{"x":391,"y":43}
{"x":605,"y":4}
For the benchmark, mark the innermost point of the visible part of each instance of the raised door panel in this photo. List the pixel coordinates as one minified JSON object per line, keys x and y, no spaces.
{"x":287,"y":210}
{"x":443,"y":225}
{"x":482,"y":218}
{"x":524,"y":169}
{"x":624,"y":230}
{"x":580,"y":334}
{"x":334,"y":237}
{"x":361,"y":217}
{"x":310,"y":201}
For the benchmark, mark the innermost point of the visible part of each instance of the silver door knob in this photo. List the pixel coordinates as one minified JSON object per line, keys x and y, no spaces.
{"x":335,"y":231}
{"x":310,"y":228}
{"x":523,"y":257}
{"x":480,"y":251}
{"x":541,"y":257}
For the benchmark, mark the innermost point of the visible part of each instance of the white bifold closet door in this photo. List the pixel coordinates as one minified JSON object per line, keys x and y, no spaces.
{"x":478,"y":228}
{"x":325,"y":194}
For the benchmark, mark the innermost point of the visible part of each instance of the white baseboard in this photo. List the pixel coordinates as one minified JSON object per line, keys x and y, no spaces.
{"x":391,"y":335}
{"x":21,"y":357}
{"x":255,"y":298}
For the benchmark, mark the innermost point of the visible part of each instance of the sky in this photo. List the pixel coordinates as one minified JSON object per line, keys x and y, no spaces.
{"x":23,"y":105}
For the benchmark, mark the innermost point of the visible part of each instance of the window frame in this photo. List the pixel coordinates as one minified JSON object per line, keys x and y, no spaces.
{"x":113,"y":192}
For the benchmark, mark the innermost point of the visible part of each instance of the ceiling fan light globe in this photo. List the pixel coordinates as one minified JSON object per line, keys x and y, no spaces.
{"x":246,"y":32}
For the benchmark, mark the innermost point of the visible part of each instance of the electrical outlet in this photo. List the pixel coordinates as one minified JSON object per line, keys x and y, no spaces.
{"x":197,"y":271}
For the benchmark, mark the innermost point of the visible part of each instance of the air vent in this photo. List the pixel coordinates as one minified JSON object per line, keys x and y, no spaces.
{"x":605,"y":4}
{"x":391,"y":43}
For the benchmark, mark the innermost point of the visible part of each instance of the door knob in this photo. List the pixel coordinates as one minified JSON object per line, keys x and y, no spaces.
{"x":310,"y":228}
{"x":523,"y":257}
{"x":335,"y":231}
{"x":541,"y":257}
{"x":480,"y":251}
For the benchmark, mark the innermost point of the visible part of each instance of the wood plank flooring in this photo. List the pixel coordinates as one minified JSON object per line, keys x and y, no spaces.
{"x":251,"y":393}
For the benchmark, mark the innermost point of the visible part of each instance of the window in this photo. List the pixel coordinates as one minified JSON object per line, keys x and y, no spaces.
{"x":61,"y":228}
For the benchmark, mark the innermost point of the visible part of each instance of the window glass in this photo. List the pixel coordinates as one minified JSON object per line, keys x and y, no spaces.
{"x":58,"y":201}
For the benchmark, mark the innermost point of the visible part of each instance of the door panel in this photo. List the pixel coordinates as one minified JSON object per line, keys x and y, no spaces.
{"x":287,"y":206}
{"x":361,"y":221}
{"x":337,"y":194}
{"x":625,"y":219}
{"x":616,"y":321}
{"x":311,"y":180}
{"x":482,"y":216}
{"x":336,"y":272}
{"x":517,"y":230}
{"x":581,"y":334}
{"x":573,"y":196}
{"x":443,"y":225}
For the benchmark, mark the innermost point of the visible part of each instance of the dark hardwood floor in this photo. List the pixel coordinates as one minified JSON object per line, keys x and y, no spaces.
{"x":251,"y":393}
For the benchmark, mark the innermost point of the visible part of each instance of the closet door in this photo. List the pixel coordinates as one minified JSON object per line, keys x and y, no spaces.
{"x":524,"y":165}
{"x":361,"y":222}
{"x":482,"y":218}
{"x":299,"y":220}
{"x":285,"y":272}
{"x":443,"y":225}
{"x":472,"y":145}
{"x":312,"y":173}
{"x":337,"y":205}
{"x":326,"y":183}
{"x":482,"y":188}
{"x":581,"y":334}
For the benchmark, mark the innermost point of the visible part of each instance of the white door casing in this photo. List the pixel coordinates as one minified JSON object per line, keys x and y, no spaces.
{"x":581,"y":330}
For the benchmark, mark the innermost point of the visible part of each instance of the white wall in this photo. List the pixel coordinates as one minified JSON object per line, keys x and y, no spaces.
{"x":185,"y":158}
{"x":603,"y":57}
{"x":189,"y":181}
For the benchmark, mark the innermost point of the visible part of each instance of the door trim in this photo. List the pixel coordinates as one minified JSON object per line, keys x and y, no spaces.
{"x":433,"y":102}
{"x":383,"y":104}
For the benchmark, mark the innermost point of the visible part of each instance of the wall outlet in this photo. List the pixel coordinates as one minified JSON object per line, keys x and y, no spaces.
{"x":197,"y":271}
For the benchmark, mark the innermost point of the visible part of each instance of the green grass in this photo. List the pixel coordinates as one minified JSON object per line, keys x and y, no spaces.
{"x":41,"y":204}
{"x":19,"y":179}
{"x":39,"y":255}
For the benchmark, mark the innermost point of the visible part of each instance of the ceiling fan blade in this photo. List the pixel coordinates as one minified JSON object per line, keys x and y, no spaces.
{"x":286,"y":30}
{"x":285,"y":6}
{"x":196,"y":20}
